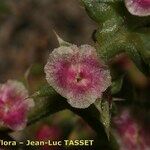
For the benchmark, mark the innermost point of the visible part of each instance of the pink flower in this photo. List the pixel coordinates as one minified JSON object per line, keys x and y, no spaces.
{"x":138,"y":7}
{"x":13,"y":105}
{"x":77,"y":74}
{"x":129,"y":133}
{"x":45,"y":133}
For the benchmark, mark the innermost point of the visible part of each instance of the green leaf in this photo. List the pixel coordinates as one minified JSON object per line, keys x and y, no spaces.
{"x":104,"y":10}
{"x":105,"y":116}
{"x":117,"y":41}
{"x":117,"y":85}
{"x":144,"y":35}
{"x":100,"y":11}
{"x":47,"y":102}
{"x":117,"y":32}
{"x":43,"y":91}
{"x":61,"y":41}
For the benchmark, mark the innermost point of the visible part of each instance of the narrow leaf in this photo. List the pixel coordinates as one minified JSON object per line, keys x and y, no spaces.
{"x":117,"y":85}
{"x":103,"y":107}
{"x":61,"y":41}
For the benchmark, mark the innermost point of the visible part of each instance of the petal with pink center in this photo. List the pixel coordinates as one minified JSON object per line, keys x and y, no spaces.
{"x":138,"y":7}
{"x":77,"y":74}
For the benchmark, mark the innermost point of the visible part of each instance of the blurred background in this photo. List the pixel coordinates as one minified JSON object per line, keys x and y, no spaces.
{"x":26,"y":32}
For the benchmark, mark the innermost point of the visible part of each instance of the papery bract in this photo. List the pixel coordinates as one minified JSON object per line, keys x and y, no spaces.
{"x":14,"y":105}
{"x":77,"y":74}
{"x":138,"y":7}
{"x":129,"y":134}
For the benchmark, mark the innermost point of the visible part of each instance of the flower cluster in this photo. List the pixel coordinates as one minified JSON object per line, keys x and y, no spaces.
{"x":14,"y":105}
{"x":77,"y":74}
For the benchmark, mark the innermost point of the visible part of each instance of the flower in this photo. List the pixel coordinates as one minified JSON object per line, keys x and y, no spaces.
{"x":48,"y":132}
{"x":129,"y":133}
{"x":138,"y":7}
{"x":14,"y":105}
{"x":77,"y":74}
